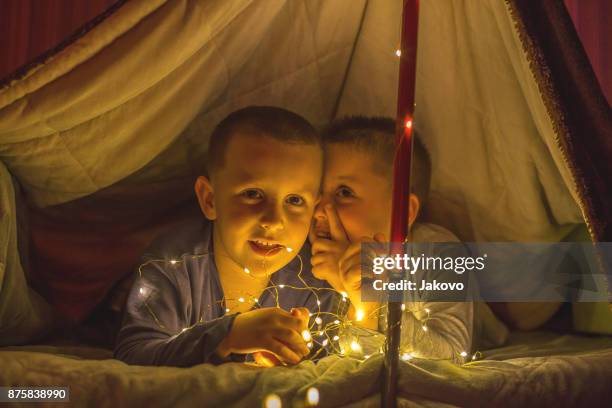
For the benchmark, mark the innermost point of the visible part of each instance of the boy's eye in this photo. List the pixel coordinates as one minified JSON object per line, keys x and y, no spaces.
{"x":252,"y":194}
{"x":295,"y":200}
{"x":344,"y":192}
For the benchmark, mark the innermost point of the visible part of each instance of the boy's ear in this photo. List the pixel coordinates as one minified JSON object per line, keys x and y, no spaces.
{"x":205,"y":193}
{"x":414,"y":206}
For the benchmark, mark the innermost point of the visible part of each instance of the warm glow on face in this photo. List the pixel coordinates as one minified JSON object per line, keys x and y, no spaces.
{"x":263,"y":198}
{"x":360,"y":194}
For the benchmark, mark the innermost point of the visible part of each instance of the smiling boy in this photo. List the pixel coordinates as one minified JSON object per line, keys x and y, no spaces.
{"x":355,"y":207}
{"x":217,"y":290}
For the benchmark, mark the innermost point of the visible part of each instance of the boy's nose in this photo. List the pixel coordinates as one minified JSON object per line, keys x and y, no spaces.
{"x":319,"y":213}
{"x":271,"y":220}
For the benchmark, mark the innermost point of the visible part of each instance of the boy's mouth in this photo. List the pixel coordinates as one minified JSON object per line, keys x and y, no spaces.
{"x":323,"y":234}
{"x":265,"y":248}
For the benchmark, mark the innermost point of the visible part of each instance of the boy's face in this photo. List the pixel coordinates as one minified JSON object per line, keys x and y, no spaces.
{"x":262,"y":202}
{"x":360,"y":194}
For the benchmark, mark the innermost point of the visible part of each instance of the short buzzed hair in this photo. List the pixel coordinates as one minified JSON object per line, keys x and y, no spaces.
{"x":270,"y":121}
{"x":376,"y":136}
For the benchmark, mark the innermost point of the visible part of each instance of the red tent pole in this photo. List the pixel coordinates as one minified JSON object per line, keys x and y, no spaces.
{"x":401,"y":187}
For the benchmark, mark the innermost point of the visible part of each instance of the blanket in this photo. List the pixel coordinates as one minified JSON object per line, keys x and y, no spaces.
{"x":534,"y":369}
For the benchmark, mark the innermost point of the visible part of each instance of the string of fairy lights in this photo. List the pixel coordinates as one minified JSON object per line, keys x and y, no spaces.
{"x":335,"y":336}
{"x":323,"y":335}
{"x":327,"y":337}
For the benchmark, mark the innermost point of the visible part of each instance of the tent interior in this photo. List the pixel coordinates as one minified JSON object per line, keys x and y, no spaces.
{"x":101,"y":140}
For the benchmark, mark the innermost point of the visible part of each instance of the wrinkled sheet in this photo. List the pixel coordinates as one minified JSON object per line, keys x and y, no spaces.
{"x":537,"y":369}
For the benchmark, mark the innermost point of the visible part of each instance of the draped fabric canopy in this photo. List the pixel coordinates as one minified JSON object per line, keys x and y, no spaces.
{"x":106,"y":136}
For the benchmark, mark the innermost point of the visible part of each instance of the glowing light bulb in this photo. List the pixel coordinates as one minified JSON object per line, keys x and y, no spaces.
{"x":406,"y":356}
{"x":366,"y":356}
{"x":273,"y":401}
{"x":474,"y":357}
{"x":336,"y":338}
{"x":463,"y":354}
{"x":309,"y":344}
{"x":318,"y":320}
{"x":403,"y":307}
{"x":246,"y":270}
{"x":408,"y":123}
{"x":398,"y":53}
{"x":321,"y":333}
{"x":425,"y":328}
{"x":241,"y":300}
{"x":356,"y":347}
{"x":427,"y":310}
{"x":141,"y":291}
{"x":344,"y":294}
{"x":227,"y":310}
{"x":281,"y":286}
{"x":306,"y":335}
{"x":324,"y":342}
{"x":318,"y":302}
{"x":342,"y":351}
{"x":289,"y":249}
{"x":255,"y":300}
{"x":336,"y":321}
{"x":173,"y":261}
{"x":184,"y":329}
{"x":359,"y":315}
{"x":312,"y":396}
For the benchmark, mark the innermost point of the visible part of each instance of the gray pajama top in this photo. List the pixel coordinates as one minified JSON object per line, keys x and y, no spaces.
{"x":175,"y":314}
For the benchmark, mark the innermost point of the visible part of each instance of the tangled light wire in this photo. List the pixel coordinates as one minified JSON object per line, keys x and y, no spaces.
{"x":325,"y":336}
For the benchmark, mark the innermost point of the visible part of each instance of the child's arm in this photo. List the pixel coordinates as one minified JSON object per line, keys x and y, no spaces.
{"x":155,"y":330}
{"x":439,"y":329}
{"x":272,"y":330}
{"x":338,"y":261}
{"x":158,"y":329}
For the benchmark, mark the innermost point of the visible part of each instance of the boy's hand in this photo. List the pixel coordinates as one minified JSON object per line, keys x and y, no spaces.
{"x":350,"y":264}
{"x":271,"y":330}
{"x":267,"y":359}
{"x":351,"y":273}
{"x":326,"y":253}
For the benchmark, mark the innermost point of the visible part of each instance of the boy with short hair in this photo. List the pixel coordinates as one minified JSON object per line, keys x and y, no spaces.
{"x":215,"y":291}
{"x":355,"y":207}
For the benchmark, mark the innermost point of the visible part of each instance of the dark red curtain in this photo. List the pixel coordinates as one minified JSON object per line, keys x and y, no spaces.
{"x":28,"y":28}
{"x":592,"y":21}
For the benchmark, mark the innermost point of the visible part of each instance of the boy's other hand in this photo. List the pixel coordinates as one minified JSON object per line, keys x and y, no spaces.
{"x":351,"y":264}
{"x":326,"y":252}
{"x":267,"y":359}
{"x":270,"y":330}
{"x":351,"y":267}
